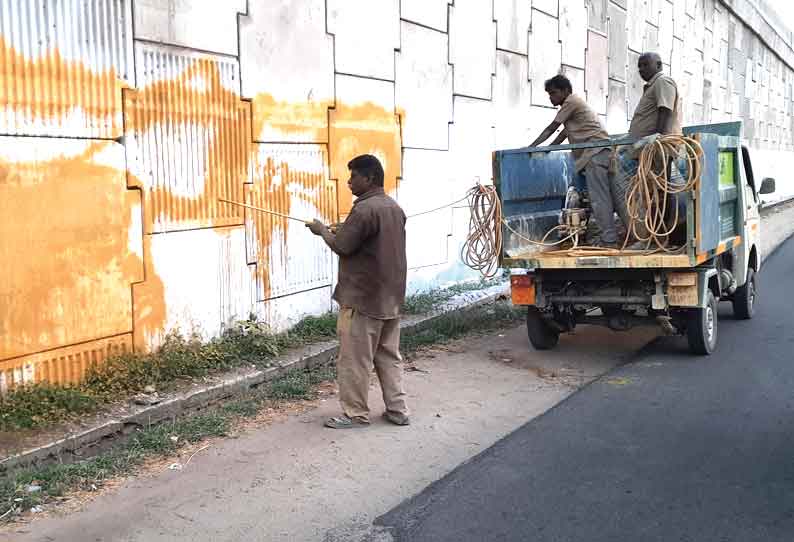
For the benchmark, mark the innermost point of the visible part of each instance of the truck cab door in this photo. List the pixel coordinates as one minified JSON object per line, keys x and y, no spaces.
{"x":752,"y":216}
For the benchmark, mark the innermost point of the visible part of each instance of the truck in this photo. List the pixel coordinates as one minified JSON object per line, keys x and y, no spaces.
{"x":718,"y":260}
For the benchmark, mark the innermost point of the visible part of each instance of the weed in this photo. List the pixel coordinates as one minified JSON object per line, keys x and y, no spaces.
{"x":158,"y":440}
{"x":55,"y":480}
{"x":452,"y":325}
{"x":179,"y":358}
{"x":34,"y":405}
{"x":313,"y":328}
{"x":183,"y":357}
{"x":424,"y":302}
{"x":299,"y":384}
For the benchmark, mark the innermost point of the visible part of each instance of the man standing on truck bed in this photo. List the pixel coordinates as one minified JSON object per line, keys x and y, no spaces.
{"x":657,"y":110}
{"x":370,"y":292}
{"x":657,"y":113}
{"x":581,"y":125}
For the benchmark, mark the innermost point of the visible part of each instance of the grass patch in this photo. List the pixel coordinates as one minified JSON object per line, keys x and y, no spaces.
{"x":160,"y":440}
{"x":22,"y":490}
{"x":184,"y":357}
{"x":424,"y":302}
{"x":299,"y":384}
{"x":35,"y":405}
{"x":453,"y":325}
{"x":179,"y":358}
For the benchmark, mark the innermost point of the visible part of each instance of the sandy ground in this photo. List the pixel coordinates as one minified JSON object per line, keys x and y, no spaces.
{"x":295,"y":480}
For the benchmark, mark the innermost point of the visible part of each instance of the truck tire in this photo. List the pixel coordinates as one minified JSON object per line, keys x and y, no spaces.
{"x":701,"y":329}
{"x":744,"y":297}
{"x":541,"y":335}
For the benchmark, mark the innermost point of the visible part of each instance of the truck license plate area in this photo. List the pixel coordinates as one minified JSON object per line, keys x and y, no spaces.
{"x":592,"y":261}
{"x":682,"y":289}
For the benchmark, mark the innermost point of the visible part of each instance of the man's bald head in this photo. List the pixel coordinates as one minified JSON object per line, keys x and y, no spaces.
{"x":649,"y":65}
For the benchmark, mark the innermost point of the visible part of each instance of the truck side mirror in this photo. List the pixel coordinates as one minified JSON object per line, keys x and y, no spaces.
{"x":767,"y":186}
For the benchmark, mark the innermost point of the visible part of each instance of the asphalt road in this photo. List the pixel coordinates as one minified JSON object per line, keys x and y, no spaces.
{"x":669,"y":448}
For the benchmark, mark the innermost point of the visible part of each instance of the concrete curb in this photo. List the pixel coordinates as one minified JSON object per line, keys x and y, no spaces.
{"x":766,"y":214}
{"x":96,"y":439}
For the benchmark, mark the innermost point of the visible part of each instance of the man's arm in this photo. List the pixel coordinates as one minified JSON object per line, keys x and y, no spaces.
{"x":560,"y":138}
{"x":545,"y":134}
{"x":318,"y":228}
{"x":664,"y":121}
{"x":348,"y":237}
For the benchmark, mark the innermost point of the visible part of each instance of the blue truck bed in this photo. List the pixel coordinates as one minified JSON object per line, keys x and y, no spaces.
{"x":532,"y":184}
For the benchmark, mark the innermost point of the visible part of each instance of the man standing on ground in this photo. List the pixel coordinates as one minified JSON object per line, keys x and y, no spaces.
{"x":370,"y":292}
{"x":581,"y":125}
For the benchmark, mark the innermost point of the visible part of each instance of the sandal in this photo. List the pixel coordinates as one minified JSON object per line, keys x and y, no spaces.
{"x":345,"y":422}
{"x":396,"y":419}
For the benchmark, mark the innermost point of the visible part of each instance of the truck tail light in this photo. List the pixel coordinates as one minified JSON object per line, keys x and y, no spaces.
{"x":522,"y":289}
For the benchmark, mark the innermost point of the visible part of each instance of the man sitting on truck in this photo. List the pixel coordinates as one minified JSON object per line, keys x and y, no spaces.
{"x":581,"y":125}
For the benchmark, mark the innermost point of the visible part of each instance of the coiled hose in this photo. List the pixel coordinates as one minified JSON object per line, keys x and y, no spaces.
{"x":483,"y":245}
{"x":650,"y":189}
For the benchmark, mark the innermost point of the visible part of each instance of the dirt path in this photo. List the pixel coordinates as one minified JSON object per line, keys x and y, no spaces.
{"x":295,"y":480}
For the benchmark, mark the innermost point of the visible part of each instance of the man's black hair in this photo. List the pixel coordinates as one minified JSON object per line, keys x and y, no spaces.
{"x":560,"y":82}
{"x":368,"y":166}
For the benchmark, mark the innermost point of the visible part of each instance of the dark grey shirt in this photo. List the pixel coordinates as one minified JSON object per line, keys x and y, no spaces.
{"x":372,"y":264}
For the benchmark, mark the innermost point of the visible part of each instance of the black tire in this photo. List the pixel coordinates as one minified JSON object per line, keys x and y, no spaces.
{"x":541,"y":334}
{"x":701,"y":329}
{"x":744,"y":297}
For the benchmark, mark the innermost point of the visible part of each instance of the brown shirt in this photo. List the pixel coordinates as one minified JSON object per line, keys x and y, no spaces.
{"x":583,"y":126}
{"x":372,"y":264}
{"x":660,"y":91}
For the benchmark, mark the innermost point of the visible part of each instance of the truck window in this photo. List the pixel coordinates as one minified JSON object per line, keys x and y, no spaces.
{"x":748,"y":171}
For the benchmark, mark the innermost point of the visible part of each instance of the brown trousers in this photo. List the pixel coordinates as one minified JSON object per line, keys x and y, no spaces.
{"x":364,"y":342}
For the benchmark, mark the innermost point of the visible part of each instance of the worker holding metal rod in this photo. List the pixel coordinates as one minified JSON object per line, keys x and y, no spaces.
{"x":370,"y":292}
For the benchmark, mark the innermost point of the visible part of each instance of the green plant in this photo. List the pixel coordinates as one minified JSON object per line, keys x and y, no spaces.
{"x":184,"y":357}
{"x":427,"y":301}
{"x":31,"y":406}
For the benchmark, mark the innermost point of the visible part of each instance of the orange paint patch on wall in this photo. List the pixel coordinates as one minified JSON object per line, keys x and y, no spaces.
{"x":148,"y":301}
{"x":363,"y":129}
{"x":190,"y":139}
{"x":40,"y":94}
{"x":277,"y":183}
{"x":281,"y":121}
{"x":70,"y":246}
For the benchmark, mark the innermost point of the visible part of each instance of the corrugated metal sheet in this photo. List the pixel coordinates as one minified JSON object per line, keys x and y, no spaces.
{"x":290,"y":179}
{"x":62,"y":66}
{"x":188,"y":138}
{"x":62,"y":366}
{"x":69,"y":243}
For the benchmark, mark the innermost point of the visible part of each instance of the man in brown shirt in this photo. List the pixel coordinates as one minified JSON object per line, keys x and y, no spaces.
{"x":581,"y":125}
{"x":370,"y":292}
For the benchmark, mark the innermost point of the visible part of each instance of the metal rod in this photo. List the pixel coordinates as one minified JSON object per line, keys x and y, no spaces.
{"x":264,"y":210}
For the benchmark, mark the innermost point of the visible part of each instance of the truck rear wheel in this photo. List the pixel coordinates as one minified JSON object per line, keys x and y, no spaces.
{"x":744,"y":297}
{"x":702,"y":327}
{"x":541,"y":334}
